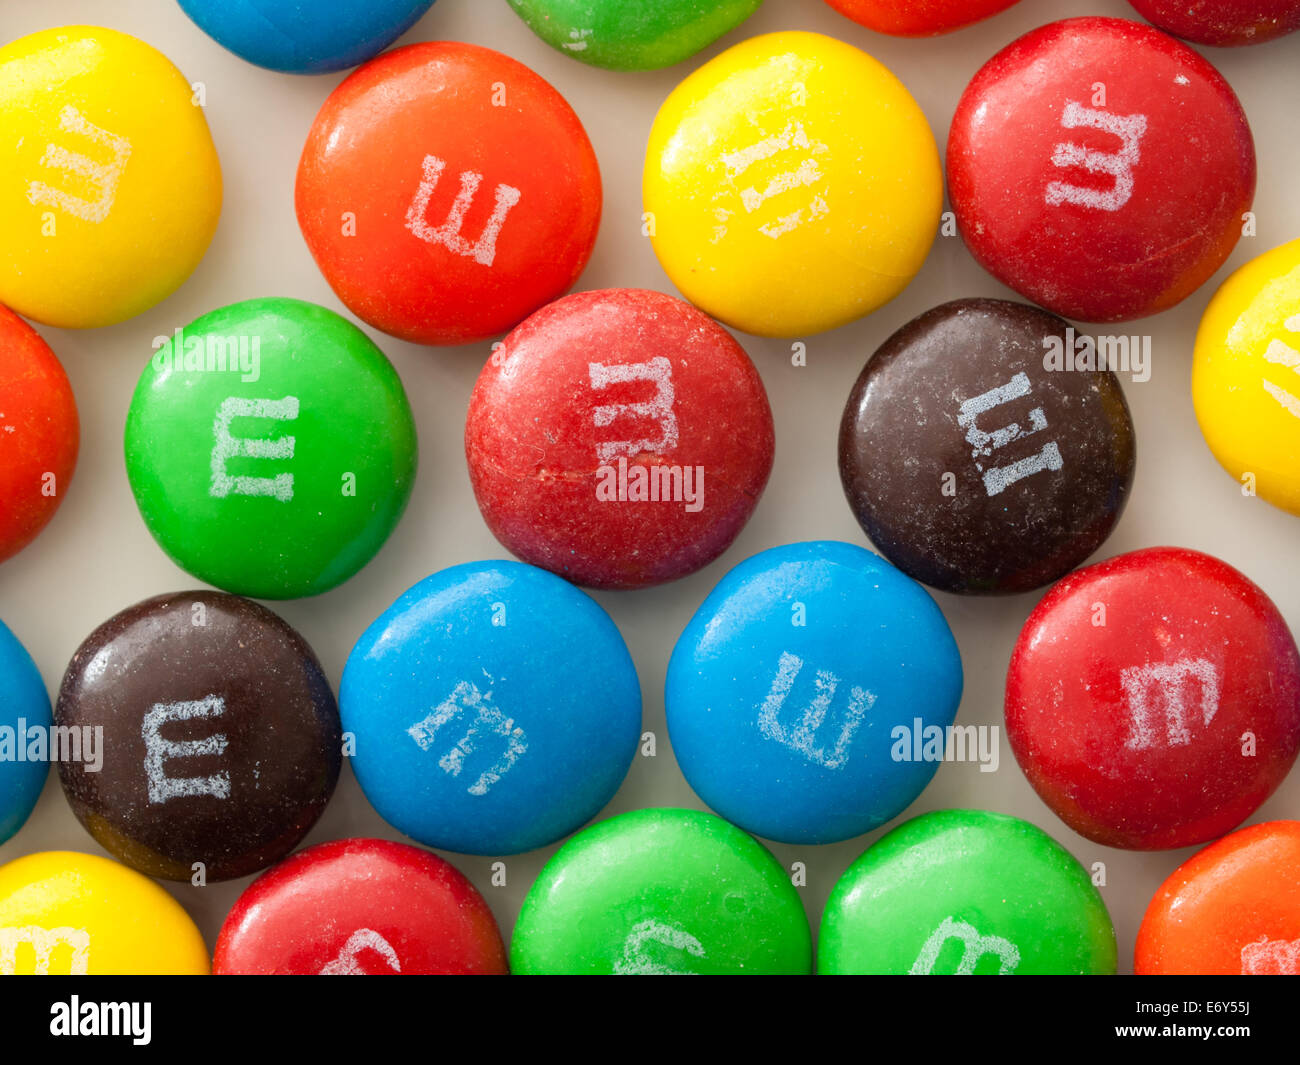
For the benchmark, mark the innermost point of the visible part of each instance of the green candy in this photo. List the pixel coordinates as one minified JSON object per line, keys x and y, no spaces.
{"x":662,"y":892}
{"x":962,"y":891}
{"x":632,"y":34}
{"x":271,"y":448}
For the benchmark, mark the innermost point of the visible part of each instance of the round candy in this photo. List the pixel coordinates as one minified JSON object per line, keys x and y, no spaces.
{"x":1233,"y":908}
{"x":209,"y":736}
{"x":495,"y":708}
{"x":78,"y":914}
{"x":1018,"y":450}
{"x":298,"y":38}
{"x":271,"y":448}
{"x":791,"y":185}
{"x":111,"y":188}
{"x":802,"y":695}
{"x":1223,"y":22}
{"x":966,"y":892}
{"x":447,"y":192}
{"x":926,"y":18}
{"x":24,"y":733}
{"x":1153,"y":700}
{"x":632,"y":34}
{"x":1246,"y":376}
{"x":619,"y":439}
{"x":662,"y":892}
{"x":1100,"y":168}
{"x":39,"y":434}
{"x":360,"y":907}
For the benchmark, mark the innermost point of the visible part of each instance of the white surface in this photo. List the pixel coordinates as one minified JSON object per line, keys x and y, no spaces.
{"x":96,"y":558}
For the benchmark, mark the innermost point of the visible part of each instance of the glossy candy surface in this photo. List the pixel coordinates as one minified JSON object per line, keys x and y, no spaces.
{"x":24,"y":739}
{"x":918,"y":18}
{"x":1153,"y":700}
{"x":618,"y":438}
{"x":1223,"y":22}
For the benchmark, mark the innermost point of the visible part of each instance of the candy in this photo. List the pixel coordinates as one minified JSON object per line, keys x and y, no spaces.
{"x":447,"y":192}
{"x":965,"y":892}
{"x":494,"y":708}
{"x":39,"y":434}
{"x":1233,"y":908}
{"x":298,"y":38}
{"x":111,"y":188}
{"x":619,"y":439}
{"x":1015,"y":465}
{"x":359,"y":907}
{"x":1153,"y":700}
{"x":271,"y":448}
{"x":78,"y":914}
{"x":217,"y":732}
{"x":910,"y":18}
{"x":1223,"y":22}
{"x":1246,"y":376}
{"x":803,"y":695}
{"x":24,"y":733}
{"x":791,"y":185}
{"x":662,"y":892}
{"x":1100,"y":168}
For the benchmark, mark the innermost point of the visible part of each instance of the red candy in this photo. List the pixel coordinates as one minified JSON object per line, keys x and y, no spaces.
{"x":1226,"y":23}
{"x":619,"y":439}
{"x":1153,"y":700}
{"x":1100,"y":168}
{"x":39,"y":434}
{"x":918,"y":18}
{"x":447,"y":192}
{"x":360,"y":907}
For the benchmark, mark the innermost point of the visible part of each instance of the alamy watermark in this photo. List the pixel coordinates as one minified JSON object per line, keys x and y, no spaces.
{"x":209,"y":353}
{"x":627,"y":483}
{"x":53,"y":743}
{"x":1084,"y":353}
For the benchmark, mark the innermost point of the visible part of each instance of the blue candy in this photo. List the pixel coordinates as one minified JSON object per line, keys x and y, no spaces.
{"x":786,"y":689}
{"x":495,"y":709}
{"x":24,"y":713}
{"x":305,"y":36}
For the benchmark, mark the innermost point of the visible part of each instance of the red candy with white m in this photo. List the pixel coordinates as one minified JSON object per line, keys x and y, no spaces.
{"x":1153,"y":700}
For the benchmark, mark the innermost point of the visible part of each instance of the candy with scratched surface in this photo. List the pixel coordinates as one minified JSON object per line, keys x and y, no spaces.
{"x":1153,"y":700}
{"x":1233,"y":908}
{"x":305,"y":38}
{"x":446,"y":192}
{"x":271,"y":448}
{"x":214,"y":734}
{"x":111,"y":187}
{"x":1227,"y":23}
{"x":791,"y":185}
{"x":360,"y":907}
{"x":632,"y":34}
{"x":39,"y":434}
{"x":1017,"y":452}
{"x":1100,"y":168}
{"x":24,"y":733}
{"x":495,"y":709}
{"x":918,"y":18}
{"x":966,"y":892}
{"x":619,"y":439}
{"x":1246,"y":376}
{"x":662,"y":892}
{"x":801,"y":696}
{"x":79,"y":914}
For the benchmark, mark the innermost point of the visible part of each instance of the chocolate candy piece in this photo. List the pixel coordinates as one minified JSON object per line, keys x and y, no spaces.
{"x":24,"y":721}
{"x":220,"y":736}
{"x":1153,"y":700}
{"x":619,"y":439}
{"x":662,"y":892}
{"x":973,"y":461}
{"x":918,"y":18}
{"x":1226,"y":23}
{"x":965,"y":892}
{"x":358,"y":907}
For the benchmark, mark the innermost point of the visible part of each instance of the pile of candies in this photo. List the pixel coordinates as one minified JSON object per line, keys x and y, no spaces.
{"x":619,"y":439}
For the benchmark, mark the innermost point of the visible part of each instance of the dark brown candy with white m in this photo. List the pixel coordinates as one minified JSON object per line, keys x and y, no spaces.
{"x":983,"y":451}
{"x":220,"y":737}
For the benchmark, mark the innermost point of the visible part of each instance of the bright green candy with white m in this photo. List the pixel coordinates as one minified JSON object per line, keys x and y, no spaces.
{"x":662,"y":892}
{"x":271,"y":448}
{"x":632,"y":34}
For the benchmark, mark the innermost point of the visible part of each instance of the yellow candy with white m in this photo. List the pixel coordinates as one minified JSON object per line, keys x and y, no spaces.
{"x":110,"y":188}
{"x":68,"y":913}
{"x":1246,"y":376}
{"x":791,"y":185}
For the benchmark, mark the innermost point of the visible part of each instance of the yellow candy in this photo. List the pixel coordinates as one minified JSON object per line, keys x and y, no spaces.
{"x":62,"y":912}
{"x":110,"y":187}
{"x":1246,"y":376}
{"x":791,"y":185}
